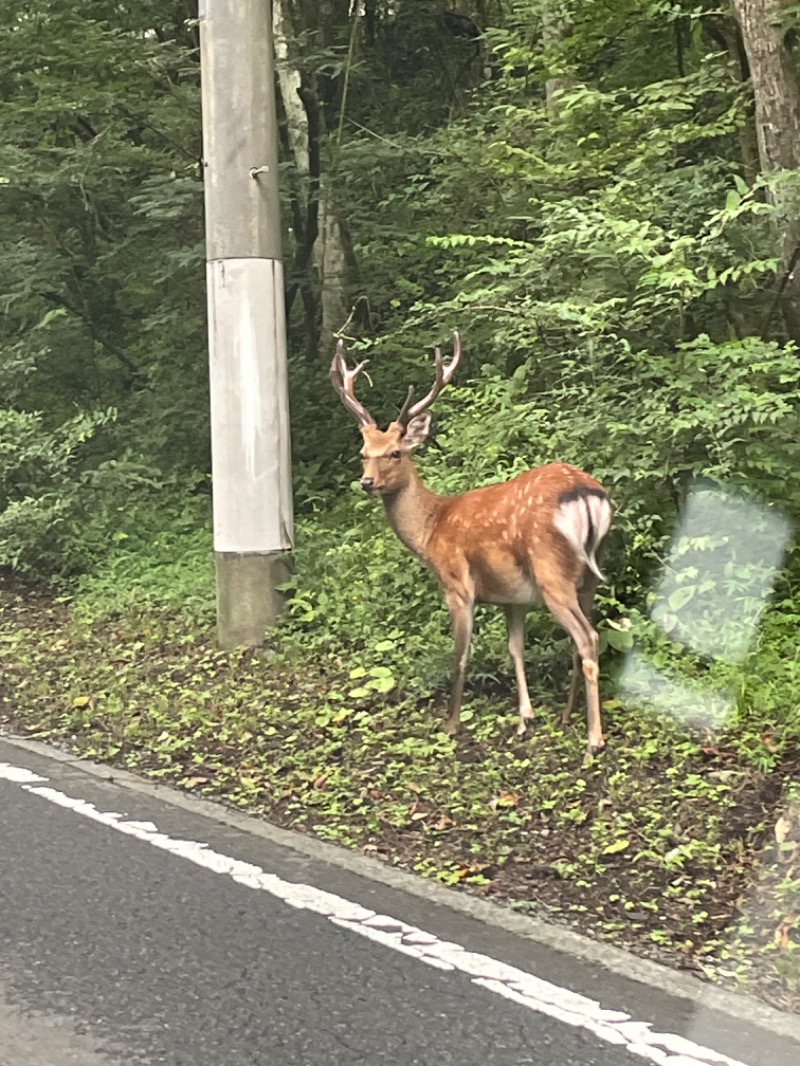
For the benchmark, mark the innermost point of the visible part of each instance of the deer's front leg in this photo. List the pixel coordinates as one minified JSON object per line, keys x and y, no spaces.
{"x":515,"y":621}
{"x":461,"y":610}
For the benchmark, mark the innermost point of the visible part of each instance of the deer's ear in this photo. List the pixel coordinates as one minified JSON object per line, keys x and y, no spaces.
{"x":417,"y":430}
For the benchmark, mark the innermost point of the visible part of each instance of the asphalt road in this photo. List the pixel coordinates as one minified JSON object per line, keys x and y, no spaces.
{"x":115,"y":951}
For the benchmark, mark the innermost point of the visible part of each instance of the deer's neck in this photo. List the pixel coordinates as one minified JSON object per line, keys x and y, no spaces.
{"x":412,"y":513}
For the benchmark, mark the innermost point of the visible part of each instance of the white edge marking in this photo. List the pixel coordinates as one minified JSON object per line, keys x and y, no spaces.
{"x":519,"y":986}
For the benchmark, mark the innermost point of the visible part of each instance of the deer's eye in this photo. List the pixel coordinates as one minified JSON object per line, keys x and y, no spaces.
{"x":396,"y":455}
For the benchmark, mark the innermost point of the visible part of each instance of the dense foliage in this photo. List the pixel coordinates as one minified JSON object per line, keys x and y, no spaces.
{"x":575,"y":187}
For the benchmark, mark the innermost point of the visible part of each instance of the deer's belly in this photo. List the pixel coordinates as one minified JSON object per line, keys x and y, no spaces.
{"x":521,"y":590}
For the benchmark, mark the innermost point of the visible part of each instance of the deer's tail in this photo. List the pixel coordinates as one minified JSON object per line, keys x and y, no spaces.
{"x":584,"y":518}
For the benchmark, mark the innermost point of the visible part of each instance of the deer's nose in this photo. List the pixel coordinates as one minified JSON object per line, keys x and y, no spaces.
{"x":368,"y":484}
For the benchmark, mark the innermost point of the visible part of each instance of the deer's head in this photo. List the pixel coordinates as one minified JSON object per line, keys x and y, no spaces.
{"x":386,"y":453}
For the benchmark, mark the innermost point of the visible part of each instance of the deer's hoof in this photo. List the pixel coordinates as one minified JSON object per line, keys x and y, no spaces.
{"x":451,"y":728}
{"x":594,"y":748}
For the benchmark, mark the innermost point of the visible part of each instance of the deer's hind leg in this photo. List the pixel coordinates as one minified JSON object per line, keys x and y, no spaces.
{"x":566,"y":609}
{"x":586,"y":594}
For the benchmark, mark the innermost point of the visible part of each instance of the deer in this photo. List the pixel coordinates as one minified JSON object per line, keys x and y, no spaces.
{"x":535,"y":537}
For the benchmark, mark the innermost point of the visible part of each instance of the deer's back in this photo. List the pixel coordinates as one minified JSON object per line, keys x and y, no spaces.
{"x":499,"y":544}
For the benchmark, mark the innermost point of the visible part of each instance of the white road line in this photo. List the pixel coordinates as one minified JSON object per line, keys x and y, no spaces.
{"x":571,"y":1008}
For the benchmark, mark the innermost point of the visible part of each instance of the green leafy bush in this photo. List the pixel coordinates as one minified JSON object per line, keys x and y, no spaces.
{"x":58,"y":503}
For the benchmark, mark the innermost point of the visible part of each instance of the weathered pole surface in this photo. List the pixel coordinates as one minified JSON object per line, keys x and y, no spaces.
{"x":247,"y":329}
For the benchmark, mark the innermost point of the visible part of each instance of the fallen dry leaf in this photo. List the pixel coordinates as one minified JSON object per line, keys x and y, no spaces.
{"x":781,"y":934}
{"x":783,"y":827}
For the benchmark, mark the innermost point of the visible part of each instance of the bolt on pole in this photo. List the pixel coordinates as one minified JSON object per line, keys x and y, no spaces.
{"x":251,"y":461}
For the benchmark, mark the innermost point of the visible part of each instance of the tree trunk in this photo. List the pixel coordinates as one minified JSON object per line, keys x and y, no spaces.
{"x":725,"y":32}
{"x":555,"y":27}
{"x":290,"y":85}
{"x":324,"y":267}
{"x":300,"y":138}
{"x":777,"y":108}
{"x":336,"y":264}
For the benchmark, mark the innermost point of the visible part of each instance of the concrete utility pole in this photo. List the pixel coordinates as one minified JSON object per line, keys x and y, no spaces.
{"x":246,"y":318}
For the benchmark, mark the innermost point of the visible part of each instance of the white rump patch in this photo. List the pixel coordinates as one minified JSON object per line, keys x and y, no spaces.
{"x":578,"y":519}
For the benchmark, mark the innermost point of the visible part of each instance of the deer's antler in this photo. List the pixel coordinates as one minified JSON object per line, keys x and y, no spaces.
{"x":444,"y":375}
{"x":343,"y":380}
